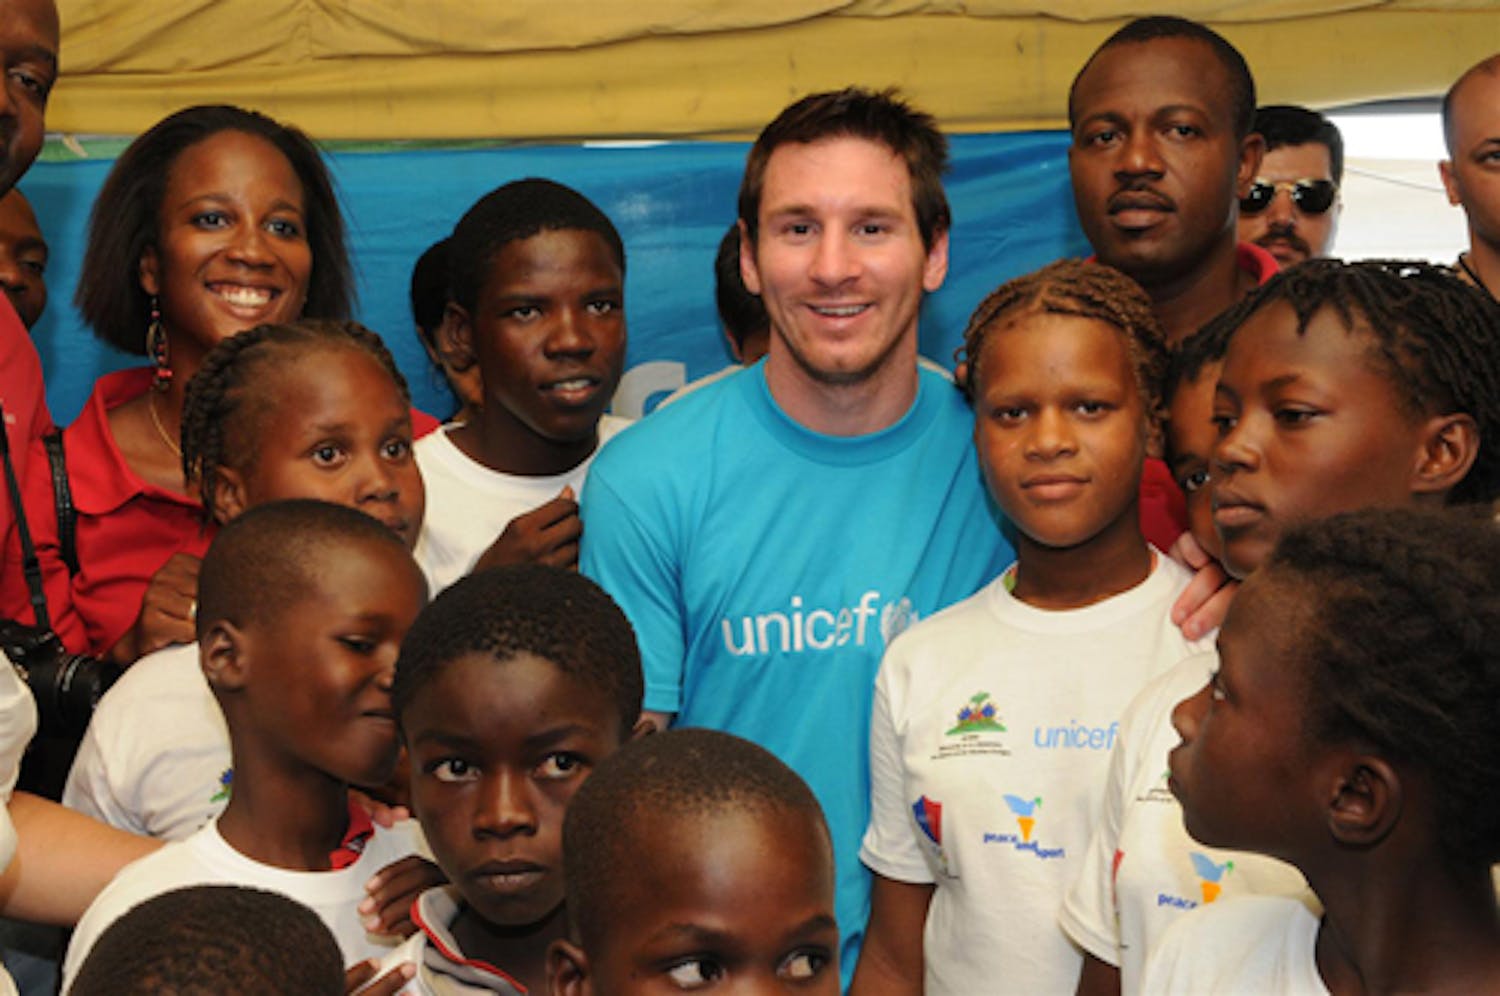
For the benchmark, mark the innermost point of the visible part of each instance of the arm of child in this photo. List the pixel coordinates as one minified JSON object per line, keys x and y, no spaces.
{"x":891,"y":960}
{"x":168,"y":611}
{"x":548,"y":534}
{"x":1204,"y":603}
{"x":1098,"y":978}
{"x":63,"y":859}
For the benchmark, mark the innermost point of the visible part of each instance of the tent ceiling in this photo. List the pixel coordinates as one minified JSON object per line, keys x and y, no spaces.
{"x":542,"y":70}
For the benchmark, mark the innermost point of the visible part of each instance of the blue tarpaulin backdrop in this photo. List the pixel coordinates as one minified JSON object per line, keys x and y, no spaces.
{"x":672,"y":203}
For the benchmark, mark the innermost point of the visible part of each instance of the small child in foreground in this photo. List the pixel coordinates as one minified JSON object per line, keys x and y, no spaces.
{"x":993,"y":720}
{"x":302,"y":606}
{"x":1344,"y":385}
{"x":311,"y":409}
{"x":1350,"y":730}
{"x":209,"y":940}
{"x":537,"y":304}
{"x":696,"y":860}
{"x":512,"y":686}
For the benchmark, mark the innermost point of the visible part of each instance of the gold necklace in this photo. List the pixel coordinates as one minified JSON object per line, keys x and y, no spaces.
{"x":156,"y":421}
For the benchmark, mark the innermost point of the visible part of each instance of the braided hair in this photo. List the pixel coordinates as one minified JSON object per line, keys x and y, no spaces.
{"x":1190,"y":357}
{"x":1403,"y":650}
{"x":1087,"y":290}
{"x":1436,"y":337}
{"x":232,"y":391}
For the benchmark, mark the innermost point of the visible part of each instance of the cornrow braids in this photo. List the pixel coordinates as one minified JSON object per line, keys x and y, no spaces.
{"x":1439,"y":339}
{"x":232,"y":390}
{"x":1088,"y":290}
{"x":1401,"y":650}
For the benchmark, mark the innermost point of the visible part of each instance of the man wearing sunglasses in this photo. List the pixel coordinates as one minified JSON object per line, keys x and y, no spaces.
{"x":1162,"y":150}
{"x":1471,"y":173}
{"x":1292,"y":207}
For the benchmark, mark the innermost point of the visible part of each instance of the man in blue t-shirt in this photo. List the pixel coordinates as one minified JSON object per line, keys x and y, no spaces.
{"x":768,"y":534}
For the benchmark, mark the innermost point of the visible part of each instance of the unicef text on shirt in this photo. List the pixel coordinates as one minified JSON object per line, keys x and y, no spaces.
{"x":799,"y":629}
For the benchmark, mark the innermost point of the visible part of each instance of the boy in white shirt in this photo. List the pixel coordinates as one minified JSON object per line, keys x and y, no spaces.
{"x":537,"y":303}
{"x":302,"y":606}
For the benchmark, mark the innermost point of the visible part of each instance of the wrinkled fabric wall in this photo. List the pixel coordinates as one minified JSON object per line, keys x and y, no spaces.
{"x":570,"y":69}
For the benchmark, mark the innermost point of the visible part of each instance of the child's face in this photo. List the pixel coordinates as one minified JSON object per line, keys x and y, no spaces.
{"x":1191,"y":438}
{"x":320,"y":675}
{"x":1244,"y":752}
{"x":1308,"y":426}
{"x":735,"y":900}
{"x":1060,"y":427}
{"x":339,"y":431}
{"x":497,"y":750}
{"x":548,"y":331}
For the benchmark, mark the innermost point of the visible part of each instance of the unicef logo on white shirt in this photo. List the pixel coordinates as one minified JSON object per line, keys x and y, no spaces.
{"x":799,"y":628}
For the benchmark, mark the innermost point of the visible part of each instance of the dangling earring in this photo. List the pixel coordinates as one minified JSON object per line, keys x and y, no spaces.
{"x":156,"y":347}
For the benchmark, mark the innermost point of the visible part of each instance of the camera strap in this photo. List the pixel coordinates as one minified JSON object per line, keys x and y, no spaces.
{"x":62,"y":492}
{"x":30,"y":565}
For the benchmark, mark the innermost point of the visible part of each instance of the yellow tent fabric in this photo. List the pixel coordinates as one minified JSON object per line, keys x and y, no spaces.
{"x":554,"y":70}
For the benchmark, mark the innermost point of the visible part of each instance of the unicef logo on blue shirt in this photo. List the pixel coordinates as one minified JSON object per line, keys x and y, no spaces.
{"x":800,"y":629}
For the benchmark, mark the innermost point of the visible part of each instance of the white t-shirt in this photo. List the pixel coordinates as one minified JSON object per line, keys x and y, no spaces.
{"x":1142,"y":871}
{"x":469,"y":505}
{"x":1255,"y":945}
{"x":989,"y":746}
{"x":206,"y":858}
{"x":155,"y":759}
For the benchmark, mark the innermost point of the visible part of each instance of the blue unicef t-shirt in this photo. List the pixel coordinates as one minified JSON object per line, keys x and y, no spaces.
{"x":765,"y":567}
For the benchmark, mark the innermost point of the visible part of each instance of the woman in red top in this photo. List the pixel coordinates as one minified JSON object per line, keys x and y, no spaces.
{"x":217,"y":219}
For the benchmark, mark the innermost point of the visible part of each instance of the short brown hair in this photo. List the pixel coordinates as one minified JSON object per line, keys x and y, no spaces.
{"x":854,"y":111}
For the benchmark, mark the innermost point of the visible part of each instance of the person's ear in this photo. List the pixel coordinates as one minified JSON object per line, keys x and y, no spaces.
{"x":749,"y":273}
{"x":1449,"y":448}
{"x":935,"y":270}
{"x":1450,"y":182}
{"x":1252,"y":151}
{"x":567,"y":970}
{"x":229,"y":494}
{"x":221,"y":653}
{"x":1366,"y":802}
{"x":455,"y":339}
{"x":149,"y":270}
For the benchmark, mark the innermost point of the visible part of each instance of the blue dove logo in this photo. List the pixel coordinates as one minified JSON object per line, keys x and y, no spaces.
{"x":1210,"y":874}
{"x":1024,"y":810}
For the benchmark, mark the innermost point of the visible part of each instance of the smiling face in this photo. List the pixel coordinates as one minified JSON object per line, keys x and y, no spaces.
{"x":335,"y":427}
{"x":548,"y":332}
{"x":839,"y":261}
{"x":1283,"y":229}
{"x":1244,"y":755}
{"x":28,"y":43}
{"x":319,"y":685}
{"x":736,"y":900}
{"x":1060,"y":427}
{"x":498,"y":748}
{"x":1191,"y":438}
{"x":23,"y":258}
{"x":1156,"y":167}
{"x":231,"y":249}
{"x":1309,"y":424}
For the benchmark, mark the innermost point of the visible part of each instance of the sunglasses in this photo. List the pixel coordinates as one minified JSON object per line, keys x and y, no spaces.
{"x":1310,"y":196}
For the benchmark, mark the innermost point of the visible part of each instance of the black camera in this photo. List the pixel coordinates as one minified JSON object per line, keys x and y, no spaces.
{"x":66,"y":686}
